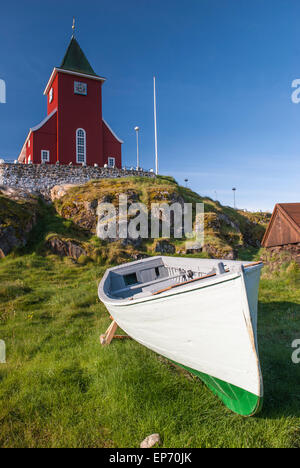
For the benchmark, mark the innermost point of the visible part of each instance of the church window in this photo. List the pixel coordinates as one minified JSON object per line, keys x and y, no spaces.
{"x":80,"y":88}
{"x":111,"y":162}
{"x":45,"y":156}
{"x":80,"y":146}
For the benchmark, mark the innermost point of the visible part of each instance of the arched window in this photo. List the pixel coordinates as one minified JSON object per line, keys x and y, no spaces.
{"x":80,"y":146}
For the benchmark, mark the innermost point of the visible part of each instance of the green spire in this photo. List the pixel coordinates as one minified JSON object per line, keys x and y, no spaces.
{"x":75,"y":60}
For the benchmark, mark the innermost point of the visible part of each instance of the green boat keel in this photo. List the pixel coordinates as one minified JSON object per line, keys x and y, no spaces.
{"x":238,"y":400}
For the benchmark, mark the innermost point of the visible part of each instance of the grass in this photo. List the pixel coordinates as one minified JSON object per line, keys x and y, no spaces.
{"x":60,"y":388}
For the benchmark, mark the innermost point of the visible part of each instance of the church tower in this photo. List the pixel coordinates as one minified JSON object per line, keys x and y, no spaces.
{"x":74,"y":130}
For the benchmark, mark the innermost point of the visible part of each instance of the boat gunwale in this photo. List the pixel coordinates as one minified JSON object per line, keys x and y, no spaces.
{"x":180,"y":289}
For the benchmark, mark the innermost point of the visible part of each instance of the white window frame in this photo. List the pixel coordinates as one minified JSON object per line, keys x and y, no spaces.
{"x":111,"y":158}
{"x":50,"y":95}
{"x":77,"y":85}
{"x":48,"y":156}
{"x":77,"y":145}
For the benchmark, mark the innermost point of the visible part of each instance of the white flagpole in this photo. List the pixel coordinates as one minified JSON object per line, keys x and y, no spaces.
{"x":155,"y":127}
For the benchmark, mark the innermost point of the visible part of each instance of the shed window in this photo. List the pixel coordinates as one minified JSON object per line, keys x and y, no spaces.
{"x":80,"y":145}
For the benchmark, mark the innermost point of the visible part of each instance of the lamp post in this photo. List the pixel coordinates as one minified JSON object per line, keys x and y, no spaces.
{"x":234,"y":190}
{"x":155,"y":126}
{"x":186,"y":182}
{"x":137,"y":147}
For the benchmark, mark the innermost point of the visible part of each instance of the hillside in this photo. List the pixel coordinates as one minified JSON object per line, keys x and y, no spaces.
{"x":228,"y":232}
{"x":68,"y":226}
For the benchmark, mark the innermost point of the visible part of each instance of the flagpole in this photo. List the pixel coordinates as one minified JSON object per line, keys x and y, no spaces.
{"x":155,"y":127}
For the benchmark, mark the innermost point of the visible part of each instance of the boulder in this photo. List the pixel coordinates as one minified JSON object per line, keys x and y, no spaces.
{"x":59,"y":191}
{"x":225,"y":253}
{"x":150,"y":441}
{"x":8,"y":240}
{"x":164,"y":247}
{"x":17,"y":194}
{"x":65,"y":248}
{"x":18,"y":215}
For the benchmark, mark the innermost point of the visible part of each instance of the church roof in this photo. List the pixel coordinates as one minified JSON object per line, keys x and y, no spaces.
{"x":75,"y":60}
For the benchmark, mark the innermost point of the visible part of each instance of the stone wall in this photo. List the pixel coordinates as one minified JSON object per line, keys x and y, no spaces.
{"x":288,"y":252}
{"x":43,"y":177}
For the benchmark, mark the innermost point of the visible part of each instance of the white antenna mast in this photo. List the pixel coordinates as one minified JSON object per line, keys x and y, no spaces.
{"x":155,"y":127}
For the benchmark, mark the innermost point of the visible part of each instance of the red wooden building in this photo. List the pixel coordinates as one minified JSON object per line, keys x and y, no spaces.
{"x":284,"y":226}
{"x":74,"y":130}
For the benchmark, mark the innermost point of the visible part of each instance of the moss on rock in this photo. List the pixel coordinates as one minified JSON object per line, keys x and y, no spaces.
{"x":17,"y":218}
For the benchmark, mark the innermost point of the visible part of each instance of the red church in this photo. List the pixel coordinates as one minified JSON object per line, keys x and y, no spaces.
{"x":74,"y":130}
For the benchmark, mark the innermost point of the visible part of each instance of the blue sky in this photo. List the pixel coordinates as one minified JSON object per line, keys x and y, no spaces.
{"x":224,"y":70}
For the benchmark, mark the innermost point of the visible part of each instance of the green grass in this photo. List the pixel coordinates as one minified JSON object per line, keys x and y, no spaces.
{"x":60,"y":388}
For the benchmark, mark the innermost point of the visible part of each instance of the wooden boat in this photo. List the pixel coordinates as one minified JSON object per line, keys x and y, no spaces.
{"x":199,"y":313}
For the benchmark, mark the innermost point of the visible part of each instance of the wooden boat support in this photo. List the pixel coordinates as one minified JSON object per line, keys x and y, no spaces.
{"x":109,"y":335}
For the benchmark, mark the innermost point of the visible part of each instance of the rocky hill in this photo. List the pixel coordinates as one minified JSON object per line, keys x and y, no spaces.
{"x":18,"y":215}
{"x":68,"y":226}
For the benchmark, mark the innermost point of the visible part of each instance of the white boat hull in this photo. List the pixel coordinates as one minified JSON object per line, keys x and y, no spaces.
{"x":209,"y":328}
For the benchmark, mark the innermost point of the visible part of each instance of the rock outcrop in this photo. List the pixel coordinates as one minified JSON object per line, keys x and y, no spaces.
{"x":164,"y":247}
{"x":77,"y":220}
{"x":226,"y":230}
{"x":18,"y":215}
{"x":59,"y":191}
{"x":65,"y":248}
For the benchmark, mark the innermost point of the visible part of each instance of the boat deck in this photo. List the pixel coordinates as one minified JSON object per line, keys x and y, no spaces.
{"x":156,"y":275}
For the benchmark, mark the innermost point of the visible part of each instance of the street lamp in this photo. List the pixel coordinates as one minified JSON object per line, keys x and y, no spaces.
{"x":234,"y":190}
{"x":186,"y":182}
{"x":137,"y":147}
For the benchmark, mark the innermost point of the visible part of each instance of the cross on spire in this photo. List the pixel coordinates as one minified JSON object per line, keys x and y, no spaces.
{"x":73,"y":27}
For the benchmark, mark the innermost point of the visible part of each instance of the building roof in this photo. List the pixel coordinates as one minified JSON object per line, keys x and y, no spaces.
{"x":293,"y":211}
{"x":75,"y":60}
{"x":112,"y":132}
{"x":290,"y":214}
{"x":22,"y":154}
